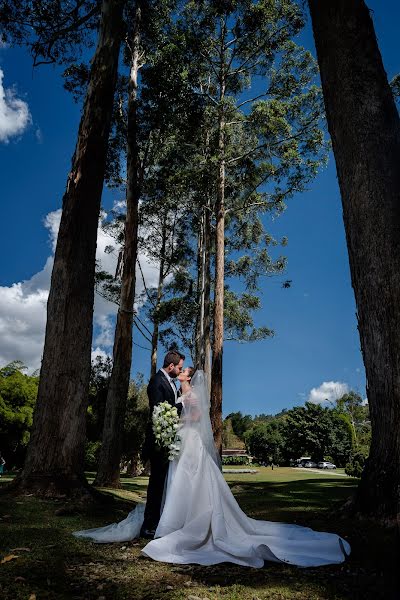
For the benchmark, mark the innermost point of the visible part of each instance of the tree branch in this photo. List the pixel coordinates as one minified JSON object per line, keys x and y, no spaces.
{"x":144,"y":284}
{"x":252,"y":100}
{"x":139,"y":329}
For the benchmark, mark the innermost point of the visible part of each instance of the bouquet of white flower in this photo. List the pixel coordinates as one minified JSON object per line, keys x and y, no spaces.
{"x":165,"y":427}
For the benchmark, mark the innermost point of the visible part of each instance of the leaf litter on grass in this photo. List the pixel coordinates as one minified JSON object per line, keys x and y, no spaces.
{"x":83,"y":570}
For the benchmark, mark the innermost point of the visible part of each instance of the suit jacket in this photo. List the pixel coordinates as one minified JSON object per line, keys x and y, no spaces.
{"x":159,"y":390}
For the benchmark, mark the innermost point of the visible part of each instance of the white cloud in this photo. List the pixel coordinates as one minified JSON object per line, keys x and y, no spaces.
{"x":14,"y":113}
{"x":106,"y":334}
{"x":52,"y":223}
{"x":23,"y":305}
{"x":22,"y":323}
{"x":328,"y":392}
{"x":99,"y":352}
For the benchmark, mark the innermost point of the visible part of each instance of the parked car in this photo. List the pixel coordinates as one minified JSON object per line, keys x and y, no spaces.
{"x":326,"y":465}
{"x":300,"y":462}
{"x":310,"y":464}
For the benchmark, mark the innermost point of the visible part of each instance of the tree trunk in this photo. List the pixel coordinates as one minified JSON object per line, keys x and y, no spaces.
{"x":154,"y":337}
{"x":135,"y":467}
{"x":207,"y":294}
{"x":55,"y":459}
{"x":203,"y":322}
{"x":108,"y":474}
{"x":218,"y":341}
{"x":199,"y":317}
{"x":199,"y":338}
{"x":365,"y":130}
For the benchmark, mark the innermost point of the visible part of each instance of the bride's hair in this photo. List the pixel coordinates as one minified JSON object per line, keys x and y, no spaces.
{"x":196,"y":412}
{"x":192,"y":371}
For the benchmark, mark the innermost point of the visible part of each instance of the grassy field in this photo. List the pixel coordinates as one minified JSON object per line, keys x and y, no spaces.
{"x":50,"y":563}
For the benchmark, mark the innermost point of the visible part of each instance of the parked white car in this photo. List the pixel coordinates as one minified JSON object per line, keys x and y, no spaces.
{"x":310,"y":464}
{"x":326,"y":465}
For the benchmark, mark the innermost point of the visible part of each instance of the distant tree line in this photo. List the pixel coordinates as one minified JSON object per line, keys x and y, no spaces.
{"x":339,"y":433}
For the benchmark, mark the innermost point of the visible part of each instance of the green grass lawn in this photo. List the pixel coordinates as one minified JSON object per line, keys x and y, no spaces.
{"x":51,"y":563}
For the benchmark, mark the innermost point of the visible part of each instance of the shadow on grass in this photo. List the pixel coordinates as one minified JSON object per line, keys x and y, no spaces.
{"x":283,"y":498}
{"x":60,"y":566}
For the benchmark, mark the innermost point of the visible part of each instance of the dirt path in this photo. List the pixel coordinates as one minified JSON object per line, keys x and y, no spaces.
{"x":320,"y":471}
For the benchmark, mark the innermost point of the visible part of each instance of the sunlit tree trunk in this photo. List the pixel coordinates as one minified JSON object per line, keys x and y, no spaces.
{"x":218,"y":321}
{"x":203,"y":359}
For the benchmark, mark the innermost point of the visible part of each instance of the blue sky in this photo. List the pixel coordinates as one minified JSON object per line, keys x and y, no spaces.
{"x":316,"y":346}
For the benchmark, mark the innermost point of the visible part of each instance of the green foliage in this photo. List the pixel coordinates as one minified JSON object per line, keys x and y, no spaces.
{"x":355,"y":466}
{"x":265,"y":441}
{"x":395,"y":85}
{"x":323,"y":433}
{"x":99,"y":380}
{"x":353,"y":409}
{"x":230,"y":439}
{"x":235,"y":460}
{"x":238,"y":318}
{"x":92,"y":450}
{"x":136,"y":416}
{"x":18,"y":394}
{"x":55,"y":31}
{"x":240,"y":423}
{"x":273,"y":147}
{"x":316,"y":431}
{"x":136,"y":419}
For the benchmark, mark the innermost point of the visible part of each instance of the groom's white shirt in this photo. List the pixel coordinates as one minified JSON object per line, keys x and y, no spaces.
{"x":173,"y":387}
{"x":171,"y":383}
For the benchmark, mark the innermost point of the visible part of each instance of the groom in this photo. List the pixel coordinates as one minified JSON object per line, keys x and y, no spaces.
{"x":161,"y":388}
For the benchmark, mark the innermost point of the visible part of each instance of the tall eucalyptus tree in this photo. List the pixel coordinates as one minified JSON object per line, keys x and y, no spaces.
{"x":259,"y":88}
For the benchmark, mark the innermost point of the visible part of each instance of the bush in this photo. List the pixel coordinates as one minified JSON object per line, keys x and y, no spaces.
{"x":235,"y":460}
{"x":355,"y":466}
{"x":265,"y":442}
{"x":92,"y":455}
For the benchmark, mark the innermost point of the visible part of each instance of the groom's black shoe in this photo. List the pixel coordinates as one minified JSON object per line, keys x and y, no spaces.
{"x":147,"y":533}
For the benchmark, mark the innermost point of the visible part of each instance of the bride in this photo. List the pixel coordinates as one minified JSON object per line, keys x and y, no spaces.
{"x":201,"y":522}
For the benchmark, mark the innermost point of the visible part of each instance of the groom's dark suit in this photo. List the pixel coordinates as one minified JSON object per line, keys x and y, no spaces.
{"x":159,"y":390}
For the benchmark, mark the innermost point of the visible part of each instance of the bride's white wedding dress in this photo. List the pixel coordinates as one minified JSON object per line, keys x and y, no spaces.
{"x":201,"y":521}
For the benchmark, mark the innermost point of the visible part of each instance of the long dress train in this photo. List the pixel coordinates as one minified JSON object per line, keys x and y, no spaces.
{"x":202,"y":523}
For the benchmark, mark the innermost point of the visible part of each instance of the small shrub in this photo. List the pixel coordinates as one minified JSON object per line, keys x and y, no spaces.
{"x":235,"y":460}
{"x":355,"y":466}
{"x":92,"y":455}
